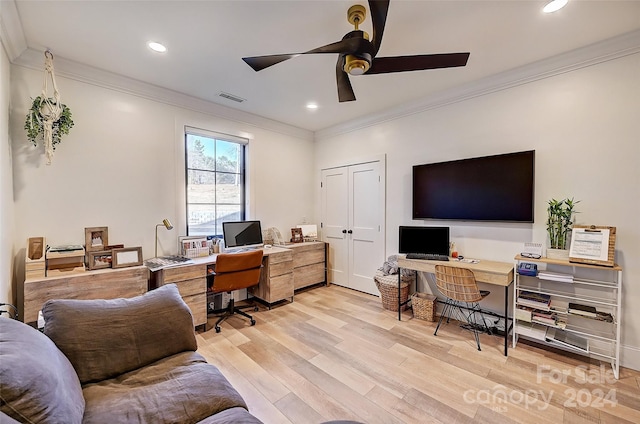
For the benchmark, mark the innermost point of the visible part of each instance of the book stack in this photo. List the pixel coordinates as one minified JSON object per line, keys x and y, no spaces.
{"x":584,"y":310}
{"x":555,"y":276}
{"x":535,"y":300}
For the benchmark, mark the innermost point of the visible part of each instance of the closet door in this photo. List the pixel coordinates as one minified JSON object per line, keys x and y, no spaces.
{"x":353,"y":224}
{"x":335,"y":220}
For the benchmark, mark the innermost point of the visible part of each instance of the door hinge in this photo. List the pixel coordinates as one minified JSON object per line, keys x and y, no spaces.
{"x":320,"y":184}
{"x":321,"y":225}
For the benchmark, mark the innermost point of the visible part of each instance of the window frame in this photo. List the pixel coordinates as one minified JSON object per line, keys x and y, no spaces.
{"x":215,"y":136}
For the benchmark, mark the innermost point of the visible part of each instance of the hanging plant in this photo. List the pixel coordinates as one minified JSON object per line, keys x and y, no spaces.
{"x":34,"y":125}
{"x":48,"y":119}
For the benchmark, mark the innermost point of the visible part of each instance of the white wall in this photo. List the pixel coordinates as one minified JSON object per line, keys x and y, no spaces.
{"x":7,"y":295}
{"x":121,"y":166}
{"x":584,"y":128}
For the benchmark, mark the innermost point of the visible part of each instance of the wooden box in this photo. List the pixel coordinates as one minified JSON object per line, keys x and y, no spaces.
{"x":59,"y":263}
{"x":34,"y":262}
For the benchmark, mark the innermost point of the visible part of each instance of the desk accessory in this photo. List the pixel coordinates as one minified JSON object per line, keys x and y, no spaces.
{"x":167,"y":224}
{"x":591,"y":244}
{"x":525,"y":268}
{"x":532,"y":250}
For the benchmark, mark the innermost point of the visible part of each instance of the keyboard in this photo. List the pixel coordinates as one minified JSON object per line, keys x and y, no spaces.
{"x":427,"y":256}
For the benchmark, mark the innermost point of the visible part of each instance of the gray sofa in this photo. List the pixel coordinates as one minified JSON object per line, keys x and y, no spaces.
{"x":113,"y":361}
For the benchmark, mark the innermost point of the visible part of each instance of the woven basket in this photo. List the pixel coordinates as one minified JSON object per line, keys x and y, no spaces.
{"x":388,"y":287}
{"x":424,"y":306}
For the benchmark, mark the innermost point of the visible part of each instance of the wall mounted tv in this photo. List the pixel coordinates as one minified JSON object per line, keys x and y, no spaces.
{"x":490,"y":188}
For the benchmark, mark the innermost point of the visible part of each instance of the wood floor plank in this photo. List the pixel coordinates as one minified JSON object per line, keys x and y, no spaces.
{"x":335,"y":354}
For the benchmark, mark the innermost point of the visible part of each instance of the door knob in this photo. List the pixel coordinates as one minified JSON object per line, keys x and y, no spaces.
{"x":344,"y":231}
{"x":350,"y":232}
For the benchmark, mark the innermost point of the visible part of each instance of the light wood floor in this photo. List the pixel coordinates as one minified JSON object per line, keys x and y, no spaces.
{"x":336,"y":354}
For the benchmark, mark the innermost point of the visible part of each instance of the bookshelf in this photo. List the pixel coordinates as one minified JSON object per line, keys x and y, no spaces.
{"x":592,"y":286}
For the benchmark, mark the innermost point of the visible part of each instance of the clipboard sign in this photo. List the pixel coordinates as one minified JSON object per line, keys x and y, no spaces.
{"x":591,"y":244}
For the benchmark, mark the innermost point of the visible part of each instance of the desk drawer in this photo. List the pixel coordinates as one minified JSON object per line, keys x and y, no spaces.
{"x":309,"y":256}
{"x":280,"y":268}
{"x":191,"y":287}
{"x":198,"y":305}
{"x":308,"y":275}
{"x":179,"y":273}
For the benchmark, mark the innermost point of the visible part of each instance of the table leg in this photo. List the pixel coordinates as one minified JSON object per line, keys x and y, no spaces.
{"x":399,"y":301}
{"x":506,"y":319}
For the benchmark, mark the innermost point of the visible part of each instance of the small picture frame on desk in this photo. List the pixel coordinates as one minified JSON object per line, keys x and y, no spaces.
{"x":126,"y":256}
{"x":99,"y":259}
{"x":296,"y":235}
{"x":96,"y":238}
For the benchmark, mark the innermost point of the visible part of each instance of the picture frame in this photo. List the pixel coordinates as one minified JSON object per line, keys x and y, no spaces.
{"x":126,"y":256}
{"x":96,"y":238}
{"x":99,"y":259}
{"x":296,"y":235}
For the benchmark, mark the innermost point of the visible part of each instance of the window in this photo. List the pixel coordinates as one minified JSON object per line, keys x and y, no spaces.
{"x":215,"y":176}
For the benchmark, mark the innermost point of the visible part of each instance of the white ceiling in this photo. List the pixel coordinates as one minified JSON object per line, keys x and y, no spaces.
{"x":207,"y":39}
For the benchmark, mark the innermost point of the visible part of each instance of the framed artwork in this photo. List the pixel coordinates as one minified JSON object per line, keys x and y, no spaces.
{"x":96,"y":238}
{"x":126,"y":256}
{"x":296,"y":235}
{"x":99,"y":259}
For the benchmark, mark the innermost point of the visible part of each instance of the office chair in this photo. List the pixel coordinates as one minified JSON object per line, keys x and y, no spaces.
{"x":459,"y":286}
{"x":235,"y":271}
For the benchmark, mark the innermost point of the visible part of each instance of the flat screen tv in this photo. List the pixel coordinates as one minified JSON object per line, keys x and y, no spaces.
{"x":489,"y":188}
{"x":239,"y":234}
{"x":431,"y":240}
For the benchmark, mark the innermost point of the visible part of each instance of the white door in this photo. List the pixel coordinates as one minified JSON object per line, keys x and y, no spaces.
{"x":353,"y":224}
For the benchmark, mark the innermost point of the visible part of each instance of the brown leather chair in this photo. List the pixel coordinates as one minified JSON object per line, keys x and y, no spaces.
{"x":459,"y":286}
{"x":235,"y":271}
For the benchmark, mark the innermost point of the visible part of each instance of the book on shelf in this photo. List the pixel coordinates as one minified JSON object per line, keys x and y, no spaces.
{"x":544,"y":318}
{"x":567,"y":339}
{"x":584,"y":310}
{"x":604,"y":316}
{"x":534,"y":300}
{"x":555,"y":276}
{"x":524,"y":313}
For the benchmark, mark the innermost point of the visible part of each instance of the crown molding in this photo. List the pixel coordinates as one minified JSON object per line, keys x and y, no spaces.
{"x":611,"y":49}
{"x":11,"y":32}
{"x":33,"y":59}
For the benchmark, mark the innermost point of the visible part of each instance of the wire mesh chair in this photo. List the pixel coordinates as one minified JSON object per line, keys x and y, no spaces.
{"x":459,"y":286}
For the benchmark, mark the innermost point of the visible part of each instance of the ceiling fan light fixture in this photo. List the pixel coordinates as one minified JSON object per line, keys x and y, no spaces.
{"x":353,"y":65}
{"x":554,"y":6}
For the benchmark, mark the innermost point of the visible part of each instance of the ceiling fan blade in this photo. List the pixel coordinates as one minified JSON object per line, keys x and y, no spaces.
{"x":378,"y":10}
{"x":345,"y":91}
{"x":258,"y":63}
{"x":385,"y":65}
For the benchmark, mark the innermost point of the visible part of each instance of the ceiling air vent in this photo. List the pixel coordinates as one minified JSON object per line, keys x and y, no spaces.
{"x":231,"y":97}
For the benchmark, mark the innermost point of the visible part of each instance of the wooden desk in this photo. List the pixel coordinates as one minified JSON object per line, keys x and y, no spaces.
{"x":99,"y":284}
{"x":490,"y":272}
{"x":284,"y":270}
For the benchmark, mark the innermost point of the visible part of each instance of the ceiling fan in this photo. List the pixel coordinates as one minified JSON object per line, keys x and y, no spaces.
{"x":357,"y":55}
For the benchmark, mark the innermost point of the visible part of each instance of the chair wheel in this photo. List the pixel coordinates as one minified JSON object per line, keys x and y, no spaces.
{"x":253,"y":322}
{"x":256,"y":309}
{"x":217,"y":329}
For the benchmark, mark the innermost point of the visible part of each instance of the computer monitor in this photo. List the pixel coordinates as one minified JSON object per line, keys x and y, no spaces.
{"x":431,"y":240}
{"x":242,"y":234}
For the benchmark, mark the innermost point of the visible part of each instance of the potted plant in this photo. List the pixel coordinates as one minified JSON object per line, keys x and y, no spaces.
{"x":559,"y":224}
{"x":45,"y":112}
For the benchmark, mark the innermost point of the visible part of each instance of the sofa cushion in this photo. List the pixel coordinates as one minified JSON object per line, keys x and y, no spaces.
{"x":231,"y":416}
{"x":37,"y":382}
{"x":111,"y":337}
{"x":182,"y":388}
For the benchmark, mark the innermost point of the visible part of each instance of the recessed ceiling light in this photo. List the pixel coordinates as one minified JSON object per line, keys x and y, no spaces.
{"x":554,"y":5}
{"x":156,"y":47}
{"x":312,"y":106}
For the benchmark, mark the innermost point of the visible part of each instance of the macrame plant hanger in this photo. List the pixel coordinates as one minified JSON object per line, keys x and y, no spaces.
{"x":51,"y":108}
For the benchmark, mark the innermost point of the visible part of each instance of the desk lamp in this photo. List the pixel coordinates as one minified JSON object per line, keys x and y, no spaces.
{"x":167,"y":224}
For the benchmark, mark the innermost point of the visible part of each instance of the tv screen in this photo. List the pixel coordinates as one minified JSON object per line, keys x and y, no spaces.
{"x":242,"y":234}
{"x":424,"y":240}
{"x":490,"y":188}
